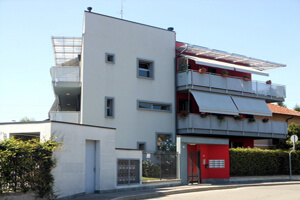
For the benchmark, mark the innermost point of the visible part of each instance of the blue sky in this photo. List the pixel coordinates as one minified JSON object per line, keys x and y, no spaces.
{"x":264,"y":29}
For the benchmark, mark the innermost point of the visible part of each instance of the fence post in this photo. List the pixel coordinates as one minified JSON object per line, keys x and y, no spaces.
{"x":160,"y":166}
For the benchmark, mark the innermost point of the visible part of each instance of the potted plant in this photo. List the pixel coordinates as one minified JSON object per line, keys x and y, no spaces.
{"x":183,"y":114}
{"x":202,"y":70}
{"x":251,"y":119}
{"x":246,"y":78}
{"x":238,"y":117}
{"x":203,"y":114}
{"x":224,"y":73}
{"x":269,"y":82}
{"x":265,"y":120}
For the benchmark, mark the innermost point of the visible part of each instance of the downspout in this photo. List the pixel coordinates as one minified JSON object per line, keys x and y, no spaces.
{"x":287,"y":122}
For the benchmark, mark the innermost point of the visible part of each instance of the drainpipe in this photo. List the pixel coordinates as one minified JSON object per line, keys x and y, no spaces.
{"x":287,"y":121}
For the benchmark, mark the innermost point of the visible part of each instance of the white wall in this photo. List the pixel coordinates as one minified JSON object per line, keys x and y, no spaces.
{"x":128,"y":41}
{"x":31,"y":127}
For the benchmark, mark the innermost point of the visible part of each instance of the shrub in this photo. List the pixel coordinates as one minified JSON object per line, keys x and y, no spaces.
{"x":257,"y":162}
{"x":27,"y":165}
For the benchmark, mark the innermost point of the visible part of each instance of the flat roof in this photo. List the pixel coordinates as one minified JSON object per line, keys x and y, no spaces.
{"x":224,"y":56}
{"x":48,"y":121}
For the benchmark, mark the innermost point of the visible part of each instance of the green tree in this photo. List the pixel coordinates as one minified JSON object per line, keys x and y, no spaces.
{"x":297,"y":108}
{"x":26,"y":119}
{"x":281,"y":104}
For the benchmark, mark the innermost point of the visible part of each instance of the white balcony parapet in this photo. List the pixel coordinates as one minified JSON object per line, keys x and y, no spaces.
{"x":235,"y":84}
{"x":210,"y":124}
{"x":65,"y":74}
{"x":65,"y":116}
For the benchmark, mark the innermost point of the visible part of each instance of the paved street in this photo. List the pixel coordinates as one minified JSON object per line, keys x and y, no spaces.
{"x":279,"y":192}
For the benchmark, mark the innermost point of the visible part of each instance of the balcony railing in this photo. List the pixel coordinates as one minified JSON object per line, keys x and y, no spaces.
{"x":229,"y":84}
{"x":210,"y":124}
{"x":65,"y":116}
{"x":65,"y":74}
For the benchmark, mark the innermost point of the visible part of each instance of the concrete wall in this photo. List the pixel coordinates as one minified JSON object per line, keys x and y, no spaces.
{"x":127,"y":41}
{"x":70,"y":171}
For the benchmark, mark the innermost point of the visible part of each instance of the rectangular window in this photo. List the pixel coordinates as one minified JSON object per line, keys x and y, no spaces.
{"x":154,"y":106}
{"x":109,"y":107}
{"x":109,"y":58}
{"x":162,"y":140}
{"x":145,"y":68}
{"x":183,"y":105}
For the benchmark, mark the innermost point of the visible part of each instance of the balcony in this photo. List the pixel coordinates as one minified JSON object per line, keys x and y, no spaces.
{"x":65,"y":116}
{"x":65,"y":76}
{"x":211,"y":125}
{"x":231,"y":85}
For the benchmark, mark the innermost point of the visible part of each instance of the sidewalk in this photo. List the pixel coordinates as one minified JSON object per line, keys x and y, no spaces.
{"x":151,"y":193}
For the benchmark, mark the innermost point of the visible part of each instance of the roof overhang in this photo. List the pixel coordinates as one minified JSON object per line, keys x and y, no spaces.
{"x":224,"y":56}
{"x":66,"y":48}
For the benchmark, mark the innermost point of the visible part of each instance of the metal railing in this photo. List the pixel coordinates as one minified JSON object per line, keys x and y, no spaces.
{"x":211,"y":122}
{"x":159,"y":165}
{"x":65,"y":74}
{"x":194,"y":78}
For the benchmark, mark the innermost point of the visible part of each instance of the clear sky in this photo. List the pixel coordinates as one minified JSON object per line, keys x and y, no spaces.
{"x":263,"y":29}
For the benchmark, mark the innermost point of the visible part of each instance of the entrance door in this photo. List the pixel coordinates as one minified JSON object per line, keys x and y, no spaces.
{"x":194,"y":170}
{"x":90,"y":166}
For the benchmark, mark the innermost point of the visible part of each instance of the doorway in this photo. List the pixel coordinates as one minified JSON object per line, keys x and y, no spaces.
{"x":90,"y":166}
{"x":194,"y":161}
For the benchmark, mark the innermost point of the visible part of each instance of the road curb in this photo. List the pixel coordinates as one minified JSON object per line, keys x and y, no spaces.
{"x":199,"y":189}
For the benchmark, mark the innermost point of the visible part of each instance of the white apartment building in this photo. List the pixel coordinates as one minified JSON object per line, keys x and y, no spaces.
{"x":124,"y":78}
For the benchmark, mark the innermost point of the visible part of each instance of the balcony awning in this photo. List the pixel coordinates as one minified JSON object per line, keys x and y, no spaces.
{"x":251,"y":106}
{"x":224,"y":65}
{"x":215,"y":103}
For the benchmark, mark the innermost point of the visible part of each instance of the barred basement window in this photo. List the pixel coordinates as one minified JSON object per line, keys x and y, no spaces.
{"x":128,"y":171}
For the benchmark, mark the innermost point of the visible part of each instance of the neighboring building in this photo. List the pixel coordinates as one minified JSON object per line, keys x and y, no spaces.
{"x":280,"y":114}
{"x":140,"y":80}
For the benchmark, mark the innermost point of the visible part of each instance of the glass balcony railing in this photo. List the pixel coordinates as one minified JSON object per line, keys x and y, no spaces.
{"x":195,"y":124}
{"x":235,"y":84}
{"x":65,"y":116}
{"x":65,"y":74}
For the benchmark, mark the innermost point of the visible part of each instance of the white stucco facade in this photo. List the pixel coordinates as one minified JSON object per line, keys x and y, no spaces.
{"x":128,"y":42}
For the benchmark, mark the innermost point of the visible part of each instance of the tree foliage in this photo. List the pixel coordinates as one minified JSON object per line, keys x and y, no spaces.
{"x":297,"y":108}
{"x":281,"y":104}
{"x":27,"y":165}
{"x":26,"y":119}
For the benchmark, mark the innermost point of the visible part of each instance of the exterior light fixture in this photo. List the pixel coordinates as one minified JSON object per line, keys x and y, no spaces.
{"x":68,"y":93}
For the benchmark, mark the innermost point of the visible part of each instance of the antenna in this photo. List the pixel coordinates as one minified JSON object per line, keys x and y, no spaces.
{"x":121,"y":9}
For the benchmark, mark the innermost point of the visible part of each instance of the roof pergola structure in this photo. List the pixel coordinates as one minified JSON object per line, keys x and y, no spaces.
{"x":66,"y":48}
{"x":233,"y":58}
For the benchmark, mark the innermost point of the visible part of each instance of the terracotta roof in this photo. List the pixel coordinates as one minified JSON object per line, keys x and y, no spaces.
{"x":282,"y":110}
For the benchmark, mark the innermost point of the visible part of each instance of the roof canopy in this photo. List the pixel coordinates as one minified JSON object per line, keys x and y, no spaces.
{"x":223,"y":65}
{"x":66,"y":48}
{"x":224,"y":56}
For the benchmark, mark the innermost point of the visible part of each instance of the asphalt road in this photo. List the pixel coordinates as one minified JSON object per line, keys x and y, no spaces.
{"x":279,"y":192}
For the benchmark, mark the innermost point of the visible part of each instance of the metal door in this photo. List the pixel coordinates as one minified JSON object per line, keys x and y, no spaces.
{"x":90,"y":166}
{"x":194,"y":170}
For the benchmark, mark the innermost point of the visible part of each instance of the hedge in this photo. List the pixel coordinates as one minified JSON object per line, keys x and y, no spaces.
{"x":27,"y":165}
{"x":258,"y":162}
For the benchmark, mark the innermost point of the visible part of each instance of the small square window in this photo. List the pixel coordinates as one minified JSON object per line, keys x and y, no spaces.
{"x":141,"y":145}
{"x":145,"y":69}
{"x":109,"y":58}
